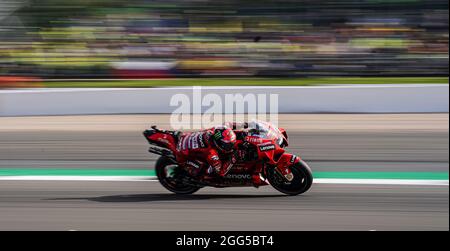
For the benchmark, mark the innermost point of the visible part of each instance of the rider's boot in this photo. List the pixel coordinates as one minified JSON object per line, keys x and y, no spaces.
{"x":259,"y":181}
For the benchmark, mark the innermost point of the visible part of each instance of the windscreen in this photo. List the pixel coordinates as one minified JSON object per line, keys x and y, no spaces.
{"x":265,"y":130}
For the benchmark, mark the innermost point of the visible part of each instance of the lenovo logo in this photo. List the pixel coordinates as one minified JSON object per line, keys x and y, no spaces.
{"x":238,"y":176}
{"x":267,"y":147}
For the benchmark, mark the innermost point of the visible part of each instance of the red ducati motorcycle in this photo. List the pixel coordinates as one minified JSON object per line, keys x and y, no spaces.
{"x":265,"y":162}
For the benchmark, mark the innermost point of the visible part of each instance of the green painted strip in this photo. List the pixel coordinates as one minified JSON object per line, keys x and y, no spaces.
{"x":144,"y":172}
{"x":76,"y":172}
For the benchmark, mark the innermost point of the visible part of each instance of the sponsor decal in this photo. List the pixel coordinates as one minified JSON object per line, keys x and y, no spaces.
{"x":201,"y":141}
{"x":293,"y":158}
{"x":266,"y":147}
{"x":289,"y":177}
{"x":165,"y":141}
{"x":218,"y":135}
{"x":215,"y":157}
{"x":193,"y":164}
{"x":193,"y":141}
{"x":238,"y":176}
{"x":254,"y":140}
{"x":239,"y":167}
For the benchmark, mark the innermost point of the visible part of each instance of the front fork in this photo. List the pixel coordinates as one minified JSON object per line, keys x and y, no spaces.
{"x":283,"y":169}
{"x":284,"y":164}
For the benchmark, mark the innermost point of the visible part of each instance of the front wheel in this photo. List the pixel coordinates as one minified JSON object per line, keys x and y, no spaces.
{"x":301,"y":183}
{"x":169,"y":175}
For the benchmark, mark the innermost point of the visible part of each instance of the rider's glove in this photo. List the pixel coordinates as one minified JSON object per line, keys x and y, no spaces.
{"x":233,"y":158}
{"x":240,"y":155}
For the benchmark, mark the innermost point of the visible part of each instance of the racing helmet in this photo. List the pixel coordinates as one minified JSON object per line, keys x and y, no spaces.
{"x":224,"y":139}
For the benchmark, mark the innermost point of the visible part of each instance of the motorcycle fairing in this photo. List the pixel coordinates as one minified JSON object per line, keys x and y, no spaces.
{"x":162,"y":139}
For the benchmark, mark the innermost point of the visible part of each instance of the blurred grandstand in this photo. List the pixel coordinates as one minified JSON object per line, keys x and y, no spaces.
{"x":264,"y":38}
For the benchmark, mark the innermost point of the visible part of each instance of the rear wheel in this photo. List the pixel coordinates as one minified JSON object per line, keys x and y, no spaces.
{"x":301,"y":182}
{"x":169,"y":175}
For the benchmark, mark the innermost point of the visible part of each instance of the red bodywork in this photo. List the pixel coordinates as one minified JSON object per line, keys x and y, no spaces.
{"x":161,"y":139}
{"x":265,"y":152}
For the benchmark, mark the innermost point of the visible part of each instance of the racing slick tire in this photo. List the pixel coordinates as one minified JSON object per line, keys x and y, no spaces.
{"x":301,"y":183}
{"x":169,"y":175}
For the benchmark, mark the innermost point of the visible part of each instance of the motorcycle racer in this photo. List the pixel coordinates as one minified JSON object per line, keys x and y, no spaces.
{"x":214,"y":147}
{"x":212,"y":158}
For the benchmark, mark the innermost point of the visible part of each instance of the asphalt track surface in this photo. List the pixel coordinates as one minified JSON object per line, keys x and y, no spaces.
{"x":329,"y":142}
{"x":37,"y":205}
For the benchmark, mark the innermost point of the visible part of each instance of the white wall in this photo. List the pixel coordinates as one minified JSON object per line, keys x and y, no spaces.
{"x":325,"y":99}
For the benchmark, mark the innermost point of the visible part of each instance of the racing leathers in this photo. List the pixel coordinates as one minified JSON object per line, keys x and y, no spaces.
{"x":196,"y":150}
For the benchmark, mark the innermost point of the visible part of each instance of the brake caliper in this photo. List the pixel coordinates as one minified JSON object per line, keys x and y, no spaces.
{"x":286,"y":173}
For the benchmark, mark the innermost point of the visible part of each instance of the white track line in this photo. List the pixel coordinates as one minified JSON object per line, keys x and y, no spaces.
{"x":150,"y":178}
{"x":382,"y":182}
